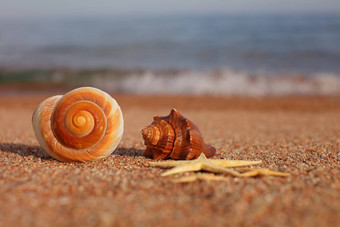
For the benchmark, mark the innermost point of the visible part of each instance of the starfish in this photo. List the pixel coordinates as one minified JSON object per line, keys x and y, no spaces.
{"x":200,"y":176}
{"x":202,"y":163}
{"x":216,"y":166}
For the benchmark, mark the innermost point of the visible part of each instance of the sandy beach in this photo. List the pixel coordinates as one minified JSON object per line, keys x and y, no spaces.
{"x":298,"y":135}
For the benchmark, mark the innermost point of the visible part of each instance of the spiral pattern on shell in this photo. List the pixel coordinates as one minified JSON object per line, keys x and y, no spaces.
{"x":85,"y":124}
{"x":174,"y":137}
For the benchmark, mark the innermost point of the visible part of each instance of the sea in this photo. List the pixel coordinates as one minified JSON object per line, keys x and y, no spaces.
{"x":256,"y":55}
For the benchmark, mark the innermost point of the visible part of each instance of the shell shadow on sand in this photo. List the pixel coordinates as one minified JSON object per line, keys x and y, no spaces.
{"x":24,"y":150}
{"x":132,"y":152}
{"x":36,"y":151}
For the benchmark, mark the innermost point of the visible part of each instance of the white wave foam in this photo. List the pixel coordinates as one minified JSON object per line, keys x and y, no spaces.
{"x":220,"y":83}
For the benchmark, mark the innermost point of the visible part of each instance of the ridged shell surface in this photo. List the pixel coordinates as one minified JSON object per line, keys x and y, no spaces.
{"x":83,"y":125}
{"x":174,"y":137}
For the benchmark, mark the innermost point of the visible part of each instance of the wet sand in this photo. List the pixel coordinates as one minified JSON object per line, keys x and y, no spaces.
{"x":296,"y":135}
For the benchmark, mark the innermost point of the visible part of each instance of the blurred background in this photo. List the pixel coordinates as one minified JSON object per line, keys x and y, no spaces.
{"x":195,"y":47}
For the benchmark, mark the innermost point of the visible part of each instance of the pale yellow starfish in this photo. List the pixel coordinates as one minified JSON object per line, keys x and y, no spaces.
{"x":216,"y":166}
{"x":202,"y":163}
{"x":200,"y":176}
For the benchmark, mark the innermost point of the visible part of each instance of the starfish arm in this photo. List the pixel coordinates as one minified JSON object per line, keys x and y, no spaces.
{"x":251,"y":173}
{"x":262,"y":172}
{"x":217,"y":169}
{"x":202,"y":157}
{"x":186,"y":179}
{"x":178,"y":163}
{"x":211,"y":177}
{"x":233,"y":163}
{"x":200,"y":176}
{"x":274,"y":173}
{"x":169,"y":163}
{"x":183,"y":168}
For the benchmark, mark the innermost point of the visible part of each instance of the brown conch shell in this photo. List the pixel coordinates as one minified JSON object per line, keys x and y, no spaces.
{"x":174,"y":137}
{"x":84,"y":124}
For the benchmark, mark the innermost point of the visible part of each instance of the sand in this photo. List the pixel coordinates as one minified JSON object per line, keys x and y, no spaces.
{"x":292,"y":134}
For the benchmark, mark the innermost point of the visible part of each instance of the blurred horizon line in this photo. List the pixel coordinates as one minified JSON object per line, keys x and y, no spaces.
{"x":5,"y":17}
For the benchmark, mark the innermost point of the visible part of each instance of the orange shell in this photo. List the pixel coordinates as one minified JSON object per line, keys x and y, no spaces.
{"x":175,"y":137}
{"x":85,"y":124}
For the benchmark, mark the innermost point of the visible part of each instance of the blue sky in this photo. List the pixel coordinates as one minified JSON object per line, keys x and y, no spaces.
{"x":60,"y":8}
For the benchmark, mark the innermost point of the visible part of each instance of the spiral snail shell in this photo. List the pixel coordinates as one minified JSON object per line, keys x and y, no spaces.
{"x":174,"y":137}
{"x":84,"y":124}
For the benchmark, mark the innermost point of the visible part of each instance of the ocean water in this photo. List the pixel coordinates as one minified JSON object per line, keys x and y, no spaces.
{"x":204,"y":51}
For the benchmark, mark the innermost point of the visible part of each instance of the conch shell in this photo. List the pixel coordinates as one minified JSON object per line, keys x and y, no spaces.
{"x":174,"y":137}
{"x":84,"y":124}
